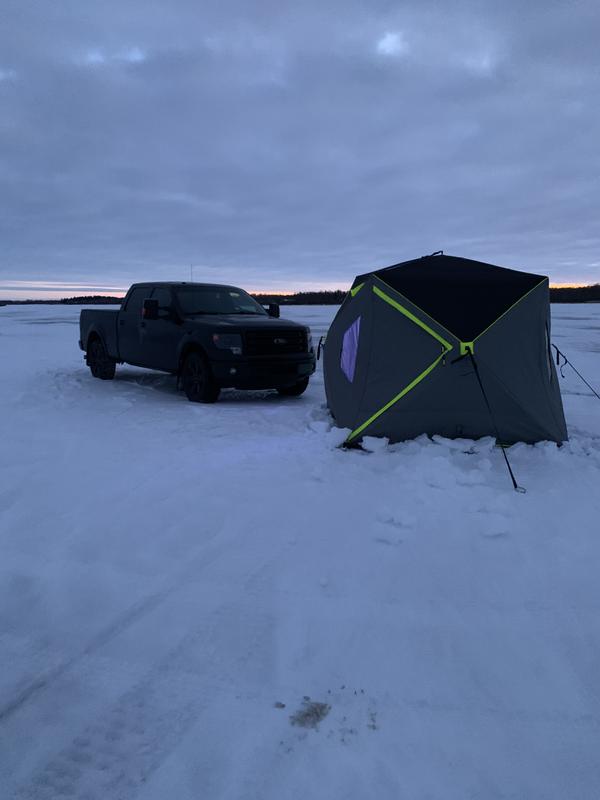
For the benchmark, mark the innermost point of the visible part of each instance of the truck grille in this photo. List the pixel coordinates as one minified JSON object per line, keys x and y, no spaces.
{"x":277,"y":342}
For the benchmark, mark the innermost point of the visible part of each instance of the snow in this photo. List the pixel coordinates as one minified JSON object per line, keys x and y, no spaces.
{"x":218,"y":602}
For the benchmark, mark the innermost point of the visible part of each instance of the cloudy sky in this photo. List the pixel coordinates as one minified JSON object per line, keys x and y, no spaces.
{"x":290,"y":145}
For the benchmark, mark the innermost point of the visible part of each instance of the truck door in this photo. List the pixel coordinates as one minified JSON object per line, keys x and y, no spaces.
{"x":130,"y":326}
{"x":161,"y":337}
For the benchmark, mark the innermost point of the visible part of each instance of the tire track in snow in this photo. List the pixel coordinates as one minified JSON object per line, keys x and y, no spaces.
{"x":123,"y":622}
{"x":115,"y":755}
{"x":131,"y":616}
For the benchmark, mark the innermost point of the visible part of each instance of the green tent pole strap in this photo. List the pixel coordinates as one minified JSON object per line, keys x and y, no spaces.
{"x":395,"y":304}
{"x":504,"y":313}
{"x":516,"y":486}
{"x":558,"y":355}
{"x":395,"y":399}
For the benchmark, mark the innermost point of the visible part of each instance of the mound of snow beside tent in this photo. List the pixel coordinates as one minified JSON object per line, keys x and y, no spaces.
{"x":218,"y":602}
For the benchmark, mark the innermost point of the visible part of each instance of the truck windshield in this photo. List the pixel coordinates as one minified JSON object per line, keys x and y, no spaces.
{"x":216,"y":300}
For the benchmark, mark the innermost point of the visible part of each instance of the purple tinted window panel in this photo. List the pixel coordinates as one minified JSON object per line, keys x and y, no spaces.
{"x":350,"y":350}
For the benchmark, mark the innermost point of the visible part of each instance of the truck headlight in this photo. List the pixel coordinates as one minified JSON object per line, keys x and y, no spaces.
{"x":228,"y":341}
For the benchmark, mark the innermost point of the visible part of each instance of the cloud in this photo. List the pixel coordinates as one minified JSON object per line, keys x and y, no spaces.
{"x":8,"y":74}
{"x":128,"y":55}
{"x":391,"y":44}
{"x":133,"y":55}
{"x":94,"y":57}
{"x":482,"y":62}
{"x":280,"y":147}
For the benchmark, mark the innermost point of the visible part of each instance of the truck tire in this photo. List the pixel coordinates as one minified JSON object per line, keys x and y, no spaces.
{"x":100,"y":363}
{"x":296,"y":390}
{"x":197,"y":380}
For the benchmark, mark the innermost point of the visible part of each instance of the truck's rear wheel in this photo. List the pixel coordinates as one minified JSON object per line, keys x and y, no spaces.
{"x":296,"y":390}
{"x":197,"y":380}
{"x":100,"y":363}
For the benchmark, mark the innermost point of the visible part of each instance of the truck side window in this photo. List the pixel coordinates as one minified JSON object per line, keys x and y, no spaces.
{"x":163,"y":295}
{"x":136,"y":300}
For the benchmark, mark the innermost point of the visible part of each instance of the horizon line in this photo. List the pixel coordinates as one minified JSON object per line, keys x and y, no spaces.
{"x":55,"y":294}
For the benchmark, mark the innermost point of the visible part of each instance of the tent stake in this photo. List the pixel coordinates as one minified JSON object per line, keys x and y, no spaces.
{"x":516,"y":486}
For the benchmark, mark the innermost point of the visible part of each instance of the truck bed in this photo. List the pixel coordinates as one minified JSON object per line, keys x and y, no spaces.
{"x":102,"y":322}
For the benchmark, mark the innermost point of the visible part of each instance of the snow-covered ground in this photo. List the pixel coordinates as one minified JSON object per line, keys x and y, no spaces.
{"x":181,"y":586}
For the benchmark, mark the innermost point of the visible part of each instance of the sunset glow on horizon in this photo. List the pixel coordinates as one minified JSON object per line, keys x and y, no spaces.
{"x":57,"y":290}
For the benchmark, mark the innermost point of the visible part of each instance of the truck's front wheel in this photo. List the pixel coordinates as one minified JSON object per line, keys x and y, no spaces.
{"x":197,"y":380}
{"x":100,"y":363}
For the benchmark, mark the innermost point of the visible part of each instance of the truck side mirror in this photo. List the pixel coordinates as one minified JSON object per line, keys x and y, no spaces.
{"x":273,"y":309}
{"x":150,"y":309}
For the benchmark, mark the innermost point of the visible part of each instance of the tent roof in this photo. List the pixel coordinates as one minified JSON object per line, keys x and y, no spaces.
{"x":463,"y":295}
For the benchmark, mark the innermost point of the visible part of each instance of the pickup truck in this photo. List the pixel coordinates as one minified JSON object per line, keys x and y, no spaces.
{"x":210,"y":336}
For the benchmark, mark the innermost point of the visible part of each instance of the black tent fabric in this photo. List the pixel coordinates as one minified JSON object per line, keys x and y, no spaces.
{"x":395,"y":355}
{"x":465,"y":296}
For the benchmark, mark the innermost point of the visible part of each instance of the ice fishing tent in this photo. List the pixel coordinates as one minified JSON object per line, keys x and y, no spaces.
{"x":431,"y":345}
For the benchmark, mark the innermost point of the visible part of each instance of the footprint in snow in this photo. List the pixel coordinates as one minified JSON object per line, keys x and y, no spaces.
{"x":495,"y":526}
{"x":403,"y":522}
{"x":387,"y":542}
{"x":319,"y":426}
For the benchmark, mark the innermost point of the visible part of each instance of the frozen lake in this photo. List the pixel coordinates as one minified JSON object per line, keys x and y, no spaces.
{"x":176,"y":580}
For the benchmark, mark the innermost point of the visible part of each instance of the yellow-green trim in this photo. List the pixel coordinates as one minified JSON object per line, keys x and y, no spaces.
{"x":395,"y":304}
{"x":356,"y":289}
{"x":439,"y":324}
{"x":516,"y":303}
{"x":467,"y":345}
{"x":395,"y":399}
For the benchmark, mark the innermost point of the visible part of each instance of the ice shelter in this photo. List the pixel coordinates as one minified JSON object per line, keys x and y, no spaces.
{"x":444,"y":345}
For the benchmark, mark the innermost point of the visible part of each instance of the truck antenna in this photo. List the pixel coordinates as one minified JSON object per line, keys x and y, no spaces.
{"x":191,"y":273}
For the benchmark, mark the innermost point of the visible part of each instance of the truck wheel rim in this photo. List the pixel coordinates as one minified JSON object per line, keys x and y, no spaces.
{"x":195,"y":377}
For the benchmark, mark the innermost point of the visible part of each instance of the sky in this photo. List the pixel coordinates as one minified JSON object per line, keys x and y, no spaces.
{"x":287,"y":146}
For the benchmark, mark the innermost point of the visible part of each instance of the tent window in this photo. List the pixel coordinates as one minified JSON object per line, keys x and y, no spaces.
{"x":350,"y":350}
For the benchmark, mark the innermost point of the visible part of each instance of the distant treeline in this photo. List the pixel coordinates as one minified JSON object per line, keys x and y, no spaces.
{"x":87,"y":300}
{"x":576,"y":294}
{"x":326,"y":298}
{"x":580,"y":294}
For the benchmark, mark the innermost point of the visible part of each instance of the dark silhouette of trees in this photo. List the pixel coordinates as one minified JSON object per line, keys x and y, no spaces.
{"x":562,"y":294}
